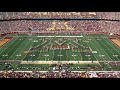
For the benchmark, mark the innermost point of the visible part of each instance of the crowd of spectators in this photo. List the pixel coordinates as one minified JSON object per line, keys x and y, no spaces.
{"x":59,"y":74}
{"x":19,"y":15}
{"x":36,"y":25}
{"x":58,"y":71}
{"x":108,"y":74}
{"x":101,"y":15}
{"x":4,"y":27}
{"x":12,"y":74}
{"x":109,"y":15}
{"x":114,"y":63}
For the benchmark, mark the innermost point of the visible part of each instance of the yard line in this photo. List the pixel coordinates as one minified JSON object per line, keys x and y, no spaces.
{"x":80,"y":56}
{"x":108,"y":48}
{"x":85,"y":52}
{"x":18,"y":48}
{"x":67,"y":55}
{"x":34,"y":52}
{"x":72,"y":51}
{"x":23,"y":48}
{"x":39,"y":55}
{"x":46,"y":57}
{"x":29,"y":48}
{"x":6,"y":42}
{"x":60,"y":54}
{"x":88,"y":46}
{"x":8,"y":45}
{"x":11,"y":49}
{"x":53,"y":54}
{"x":52,"y":50}
{"x":97,"y":50}
{"x":74,"y":56}
{"x":112,"y":47}
{"x":103,"y":49}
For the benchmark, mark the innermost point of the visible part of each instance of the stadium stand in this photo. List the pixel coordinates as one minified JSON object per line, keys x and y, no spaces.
{"x":62,"y":74}
{"x":92,"y":25}
{"x":100,"y":15}
{"x":50,"y":26}
{"x":81,"y":26}
{"x":20,"y":15}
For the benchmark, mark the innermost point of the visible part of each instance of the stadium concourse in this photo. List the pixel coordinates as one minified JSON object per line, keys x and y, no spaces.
{"x":59,"y":45}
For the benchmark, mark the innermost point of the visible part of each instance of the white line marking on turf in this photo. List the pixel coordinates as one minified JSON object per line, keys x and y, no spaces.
{"x":6,"y":42}
{"x":53,"y":54}
{"x":108,"y":48}
{"x":81,"y":42}
{"x":39,"y":55}
{"x":67,"y":54}
{"x":71,"y":46}
{"x":101,"y":47}
{"x":37,"y":51}
{"x":29,"y":48}
{"x":33,"y":52}
{"x":60,"y":54}
{"x":8,"y":45}
{"x":17,"y":49}
{"x":80,"y":54}
{"x":11,"y":49}
{"x":96,"y":49}
{"x":93,"y":54}
{"x":23,"y":49}
{"x":113,"y":47}
{"x":114,"y":44}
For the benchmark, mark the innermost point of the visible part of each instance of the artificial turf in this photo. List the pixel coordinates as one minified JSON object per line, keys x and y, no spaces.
{"x":15,"y":49}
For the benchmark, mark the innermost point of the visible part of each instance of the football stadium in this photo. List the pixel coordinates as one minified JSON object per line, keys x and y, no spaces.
{"x":59,"y":44}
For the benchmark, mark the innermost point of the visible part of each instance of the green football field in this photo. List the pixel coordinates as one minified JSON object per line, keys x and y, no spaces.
{"x":75,"y":47}
{"x":80,"y":48}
